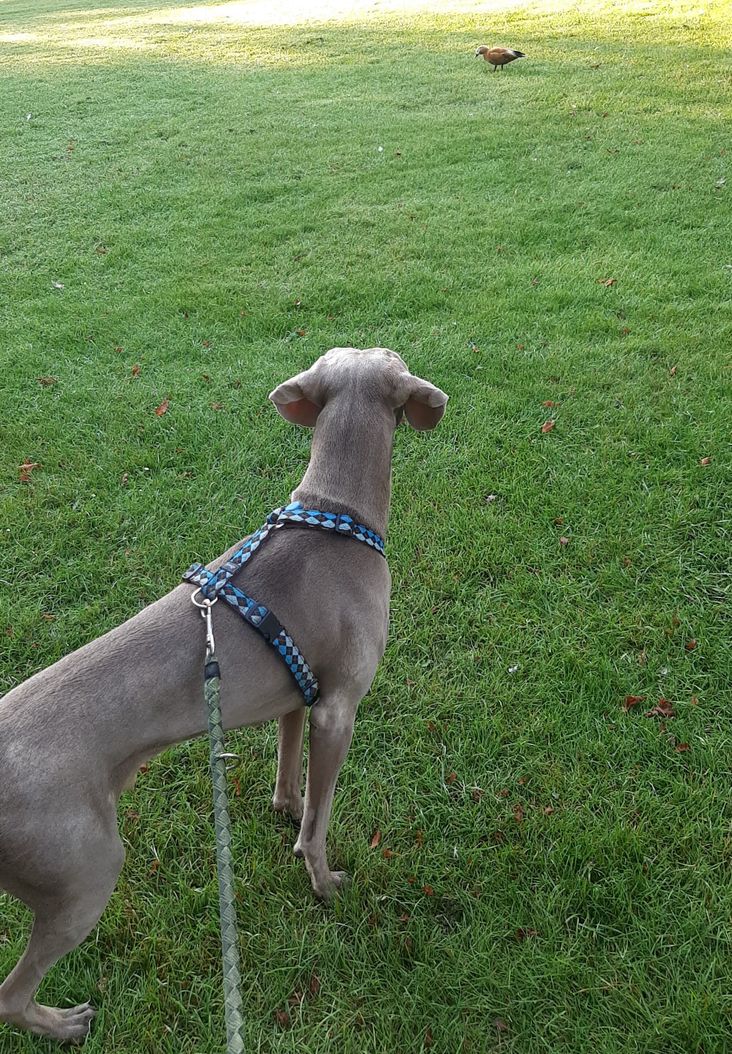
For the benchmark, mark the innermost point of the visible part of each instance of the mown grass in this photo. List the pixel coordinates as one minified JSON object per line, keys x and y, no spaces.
{"x":213,"y":199}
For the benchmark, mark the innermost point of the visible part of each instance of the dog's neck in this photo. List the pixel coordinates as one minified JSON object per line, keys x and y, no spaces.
{"x":350,"y":465}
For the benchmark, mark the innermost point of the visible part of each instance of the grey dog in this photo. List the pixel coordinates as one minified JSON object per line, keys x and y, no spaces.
{"x":73,"y":736}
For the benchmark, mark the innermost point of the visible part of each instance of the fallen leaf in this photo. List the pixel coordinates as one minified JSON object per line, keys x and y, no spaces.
{"x":476,"y":794}
{"x":125,"y":479}
{"x":26,"y":468}
{"x":564,"y":541}
{"x":296,"y":998}
{"x":387,"y":854}
{"x":681,"y":748}
{"x":551,"y":402}
{"x":607,"y":281}
{"x":314,"y":984}
{"x":58,"y":285}
{"x":672,"y":371}
{"x":405,"y":917}
{"x":690,"y":645}
{"x":663,"y":708}
{"x":503,"y":792}
{"x":119,"y":350}
{"x":155,"y":866}
{"x":376,"y":838}
{"x":524,"y":934}
{"x":47,"y":616}
{"x":558,"y":521}
{"x":547,"y":426}
{"x":282,"y":1018}
{"x":548,"y":810}
{"x":694,"y":700}
{"x":206,"y":343}
{"x":136,"y":370}
{"x":428,"y":891}
{"x":163,"y":408}
{"x":101,"y":250}
{"x":428,"y":1038}
{"x":518,"y":814}
{"x":500,"y":1025}
{"x":705,"y":461}
{"x":47,"y":382}
{"x":451,"y":777}
{"x":217,"y":406}
{"x":419,"y":838}
{"x":632,"y":700}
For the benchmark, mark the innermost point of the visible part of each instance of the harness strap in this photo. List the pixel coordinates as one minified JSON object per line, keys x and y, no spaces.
{"x":215,"y":584}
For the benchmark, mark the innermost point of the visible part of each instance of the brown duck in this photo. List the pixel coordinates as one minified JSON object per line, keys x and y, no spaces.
{"x":499,"y":56}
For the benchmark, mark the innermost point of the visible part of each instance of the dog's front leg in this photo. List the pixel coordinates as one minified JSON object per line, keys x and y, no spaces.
{"x":331,"y":729}
{"x":288,"y":793}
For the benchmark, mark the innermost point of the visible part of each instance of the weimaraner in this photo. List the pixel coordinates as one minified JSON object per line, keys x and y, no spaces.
{"x":73,"y":736}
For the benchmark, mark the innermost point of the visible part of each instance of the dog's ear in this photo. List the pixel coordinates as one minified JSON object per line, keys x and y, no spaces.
{"x":425,"y":404}
{"x":294,"y":401}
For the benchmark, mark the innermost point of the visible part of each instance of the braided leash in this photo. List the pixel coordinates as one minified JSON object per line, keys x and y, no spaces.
{"x":227,"y":895}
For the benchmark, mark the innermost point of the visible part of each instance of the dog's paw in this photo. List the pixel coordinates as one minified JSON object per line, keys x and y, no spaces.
{"x":327,"y":889}
{"x":291,"y":804}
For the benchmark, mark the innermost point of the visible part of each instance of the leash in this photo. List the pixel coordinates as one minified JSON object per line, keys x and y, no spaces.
{"x":227,"y":895}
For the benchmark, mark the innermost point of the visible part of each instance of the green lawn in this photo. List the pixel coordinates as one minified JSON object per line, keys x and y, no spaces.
{"x":194,"y":207}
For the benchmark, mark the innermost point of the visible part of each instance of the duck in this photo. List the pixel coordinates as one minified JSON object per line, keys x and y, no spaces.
{"x":499,"y":56}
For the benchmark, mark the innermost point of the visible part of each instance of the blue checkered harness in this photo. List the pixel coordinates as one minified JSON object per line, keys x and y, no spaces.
{"x":217,"y":584}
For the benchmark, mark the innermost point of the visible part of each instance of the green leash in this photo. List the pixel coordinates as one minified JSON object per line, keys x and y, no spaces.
{"x":227,"y":895}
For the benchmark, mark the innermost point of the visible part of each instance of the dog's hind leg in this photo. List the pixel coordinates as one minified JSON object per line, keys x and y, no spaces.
{"x":63,"y":918}
{"x":331,"y":730}
{"x":288,"y":788}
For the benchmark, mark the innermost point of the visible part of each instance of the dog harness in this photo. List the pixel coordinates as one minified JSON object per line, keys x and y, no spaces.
{"x":218,"y":584}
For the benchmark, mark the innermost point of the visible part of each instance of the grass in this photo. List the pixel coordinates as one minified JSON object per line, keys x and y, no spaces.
{"x":209,"y":200}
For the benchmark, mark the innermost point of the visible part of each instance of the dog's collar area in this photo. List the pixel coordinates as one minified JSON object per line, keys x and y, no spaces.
{"x":217,"y":584}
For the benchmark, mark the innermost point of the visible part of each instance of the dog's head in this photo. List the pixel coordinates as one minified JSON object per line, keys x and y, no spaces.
{"x":369,"y":379}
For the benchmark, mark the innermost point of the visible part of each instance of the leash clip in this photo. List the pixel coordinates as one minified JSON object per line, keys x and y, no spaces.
{"x":204,"y":605}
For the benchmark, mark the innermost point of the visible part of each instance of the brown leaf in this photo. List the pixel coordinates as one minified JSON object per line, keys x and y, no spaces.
{"x":681,"y":748}
{"x":451,"y":777}
{"x":102,"y":250}
{"x":217,"y":406}
{"x":376,"y":838}
{"x":503,"y":792}
{"x":672,"y":371}
{"x":155,"y":866}
{"x":47,"y":616}
{"x":300,"y":332}
{"x":47,"y":382}
{"x":547,"y":426}
{"x":548,"y":810}
{"x":428,"y":891}
{"x":632,"y":700}
{"x":387,"y":854}
{"x":518,"y":814}
{"x":694,"y":700}
{"x":136,"y":370}
{"x":558,"y":521}
{"x":314,"y":984}
{"x":26,"y":468}
{"x":563,"y":540}
{"x":524,"y":934}
{"x":405,"y":917}
{"x":206,"y":343}
{"x":551,"y":402}
{"x":282,"y":1018}
{"x":125,"y":479}
{"x":607,"y":281}
{"x":163,"y":408}
{"x":419,"y":838}
{"x":119,"y":350}
{"x":705,"y":461}
{"x":500,"y":1025}
{"x":428,"y":1038}
{"x":663,"y":708}
{"x":690,"y":645}
{"x":476,"y":794}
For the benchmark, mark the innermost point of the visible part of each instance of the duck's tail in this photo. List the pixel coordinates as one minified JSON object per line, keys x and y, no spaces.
{"x":519,"y":54}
